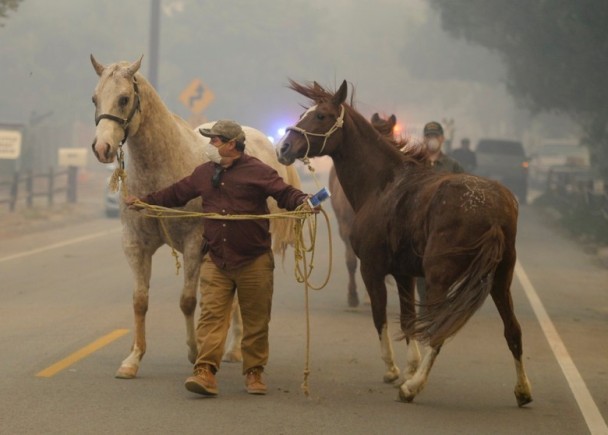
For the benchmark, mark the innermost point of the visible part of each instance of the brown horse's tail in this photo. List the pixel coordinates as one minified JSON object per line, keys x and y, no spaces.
{"x":443,"y":318}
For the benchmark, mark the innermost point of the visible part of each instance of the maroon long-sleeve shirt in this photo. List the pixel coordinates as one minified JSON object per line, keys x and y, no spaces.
{"x":243,"y":189}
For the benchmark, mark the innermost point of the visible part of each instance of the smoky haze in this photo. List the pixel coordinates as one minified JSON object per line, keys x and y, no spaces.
{"x":393,"y":52}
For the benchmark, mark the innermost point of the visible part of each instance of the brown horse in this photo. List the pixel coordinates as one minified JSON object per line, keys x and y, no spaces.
{"x":345,"y":213}
{"x":456,"y":230}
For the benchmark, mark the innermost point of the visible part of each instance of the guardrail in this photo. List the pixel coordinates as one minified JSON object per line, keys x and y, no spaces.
{"x":27,"y":185}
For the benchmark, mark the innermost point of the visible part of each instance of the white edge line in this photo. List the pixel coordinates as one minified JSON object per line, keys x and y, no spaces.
{"x":58,"y":245}
{"x":593,"y":417}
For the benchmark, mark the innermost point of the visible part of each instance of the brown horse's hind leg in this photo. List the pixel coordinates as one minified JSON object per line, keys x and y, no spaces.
{"x":407,"y":309}
{"x":377,"y":294}
{"x":501,"y":294}
{"x":411,"y":387}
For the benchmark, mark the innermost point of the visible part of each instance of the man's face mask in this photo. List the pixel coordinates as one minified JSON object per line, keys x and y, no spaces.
{"x":213,"y":153}
{"x":433,"y":144}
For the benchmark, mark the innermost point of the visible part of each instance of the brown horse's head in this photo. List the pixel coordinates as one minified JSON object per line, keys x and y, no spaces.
{"x":318,"y":129}
{"x":386,"y":127}
{"x":116,"y":100}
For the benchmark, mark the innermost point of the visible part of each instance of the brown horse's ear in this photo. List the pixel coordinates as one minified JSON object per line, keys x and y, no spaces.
{"x":316,"y":86}
{"x":375,"y":117}
{"x":97,"y":66}
{"x":340,"y":96}
{"x":134,"y":67}
{"x":392,"y":120}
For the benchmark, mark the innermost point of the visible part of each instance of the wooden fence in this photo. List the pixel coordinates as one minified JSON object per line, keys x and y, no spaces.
{"x":25,"y":186}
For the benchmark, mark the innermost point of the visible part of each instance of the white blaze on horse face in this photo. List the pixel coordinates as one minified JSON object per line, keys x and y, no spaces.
{"x":311,"y":109}
{"x":279,"y":144}
{"x":108,"y":135}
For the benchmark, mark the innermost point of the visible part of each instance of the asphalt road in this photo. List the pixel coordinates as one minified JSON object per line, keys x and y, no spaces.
{"x":63,"y":289}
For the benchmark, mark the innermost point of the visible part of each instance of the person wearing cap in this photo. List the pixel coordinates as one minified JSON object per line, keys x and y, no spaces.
{"x":433,"y":141}
{"x":465,"y":156}
{"x":439,"y":162}
{"x":237,"y":253}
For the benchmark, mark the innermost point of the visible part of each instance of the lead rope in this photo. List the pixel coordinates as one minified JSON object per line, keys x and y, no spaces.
{"x":303,"y":275}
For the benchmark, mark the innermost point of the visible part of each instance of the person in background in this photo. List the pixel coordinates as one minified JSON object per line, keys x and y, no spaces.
{"x":237,"y":253}
{"x":465,"y":156}
{"x":439,"y":162}
{"x":433,"y":141}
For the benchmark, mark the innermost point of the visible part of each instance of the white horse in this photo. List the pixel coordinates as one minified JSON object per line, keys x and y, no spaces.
{"x":162,"y":149}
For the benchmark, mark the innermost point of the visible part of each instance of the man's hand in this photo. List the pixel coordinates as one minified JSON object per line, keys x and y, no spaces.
{"x":307,"y":208}
{"x":130,"y":202}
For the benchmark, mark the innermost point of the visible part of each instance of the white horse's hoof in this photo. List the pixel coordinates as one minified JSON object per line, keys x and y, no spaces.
{"x":391,"y":376}
{"x":232,"y":357}
{"x":126,"y":372}
{"x":192,"y":354}
{"x":405,"y":395}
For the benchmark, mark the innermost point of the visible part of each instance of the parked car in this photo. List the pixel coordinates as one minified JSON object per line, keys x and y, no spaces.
{"x":504,"y":161}
{"x":555,"y":155}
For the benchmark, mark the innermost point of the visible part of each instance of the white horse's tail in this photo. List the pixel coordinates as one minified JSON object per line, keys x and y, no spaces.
{"x":283,"y":229}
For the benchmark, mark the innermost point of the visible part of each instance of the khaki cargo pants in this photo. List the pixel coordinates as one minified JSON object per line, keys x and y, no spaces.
{"x":253,"y":283}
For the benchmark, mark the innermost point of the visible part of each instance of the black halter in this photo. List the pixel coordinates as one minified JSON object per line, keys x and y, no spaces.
{"x":124,"y":123}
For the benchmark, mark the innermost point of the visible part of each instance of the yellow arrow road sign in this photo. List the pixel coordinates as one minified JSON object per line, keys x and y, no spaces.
{"x":196,"y":97}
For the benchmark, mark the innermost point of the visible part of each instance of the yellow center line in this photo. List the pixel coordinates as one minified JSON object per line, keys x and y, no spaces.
{"x":82,"y":353}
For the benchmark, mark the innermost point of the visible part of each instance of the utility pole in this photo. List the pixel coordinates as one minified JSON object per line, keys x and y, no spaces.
{"x":154,"y":42}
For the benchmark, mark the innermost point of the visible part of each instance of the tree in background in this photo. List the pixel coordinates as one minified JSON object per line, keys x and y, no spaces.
{"x":7,"y":5}
{"x":555,"y":54}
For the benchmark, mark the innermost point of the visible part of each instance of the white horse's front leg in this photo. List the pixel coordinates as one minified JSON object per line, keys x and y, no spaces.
{"x":411,"y":387}
{"x":388,"y":356}
{"x":235,"y":335}
{"x":141,"y":265}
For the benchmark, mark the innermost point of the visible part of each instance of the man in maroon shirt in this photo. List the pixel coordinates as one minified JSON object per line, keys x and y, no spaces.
{"x":239,"y":257}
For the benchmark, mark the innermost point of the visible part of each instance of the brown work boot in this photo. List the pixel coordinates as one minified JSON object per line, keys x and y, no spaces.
{"x":203,"y":382}
{"x":254,"y":382}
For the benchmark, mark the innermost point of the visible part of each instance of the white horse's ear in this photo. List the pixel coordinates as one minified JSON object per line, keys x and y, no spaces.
{"x":97,"y":66}
{"x":134,"y":67}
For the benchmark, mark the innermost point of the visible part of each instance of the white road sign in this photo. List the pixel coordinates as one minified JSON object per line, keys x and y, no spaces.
{"x":10,"y":144}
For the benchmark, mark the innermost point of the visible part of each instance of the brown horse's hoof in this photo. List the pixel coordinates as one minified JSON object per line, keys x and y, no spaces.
{"x":126,"y":372}
{"x":406,"y":397}
{"x":391,"y":376}
{"x":523,"y":399}
{"x":353,"y":300}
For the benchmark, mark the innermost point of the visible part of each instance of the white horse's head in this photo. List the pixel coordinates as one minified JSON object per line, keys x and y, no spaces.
{"x":117,"y":106}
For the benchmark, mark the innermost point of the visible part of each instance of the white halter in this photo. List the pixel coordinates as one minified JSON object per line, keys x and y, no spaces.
{"x":338,"y":124}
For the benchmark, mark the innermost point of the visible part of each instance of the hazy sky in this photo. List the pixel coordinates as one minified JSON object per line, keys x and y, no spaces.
{"x":392,"y":51}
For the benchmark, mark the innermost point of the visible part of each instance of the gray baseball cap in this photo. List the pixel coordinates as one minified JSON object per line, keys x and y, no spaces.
{"x":228,"y":130}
